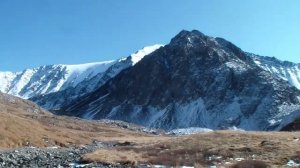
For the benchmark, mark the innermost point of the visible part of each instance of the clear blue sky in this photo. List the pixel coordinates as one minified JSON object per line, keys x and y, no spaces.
{"x":38,"y":32}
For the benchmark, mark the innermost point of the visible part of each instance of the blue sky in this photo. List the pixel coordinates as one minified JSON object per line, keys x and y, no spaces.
{"x":38,"y":32}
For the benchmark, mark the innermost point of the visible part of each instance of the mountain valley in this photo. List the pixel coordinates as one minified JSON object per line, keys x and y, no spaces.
{"x":33,"y":137}
{"x":198,"y":101}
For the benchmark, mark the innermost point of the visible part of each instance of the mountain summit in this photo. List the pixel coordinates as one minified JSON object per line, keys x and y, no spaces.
{"x":194,"y":81}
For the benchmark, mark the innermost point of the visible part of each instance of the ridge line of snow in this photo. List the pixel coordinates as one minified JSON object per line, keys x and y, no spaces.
{"x":47,"y":79}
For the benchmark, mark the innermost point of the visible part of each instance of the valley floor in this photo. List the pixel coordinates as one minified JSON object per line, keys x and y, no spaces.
{"x":32,"y":137}
{"x":218,"y":148}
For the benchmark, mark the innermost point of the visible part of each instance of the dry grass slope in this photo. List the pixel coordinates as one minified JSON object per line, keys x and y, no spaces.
{"x":22,"y":123}
{"x":275,"y":148}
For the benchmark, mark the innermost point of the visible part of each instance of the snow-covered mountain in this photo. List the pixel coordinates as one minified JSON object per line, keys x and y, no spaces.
{"x":54,"y":101}
{"x":55,"y":85}
{"x":53,"y":78}
{"x":194,"y":81}
{"x":288,"y":71}
{"x":48,"y":79}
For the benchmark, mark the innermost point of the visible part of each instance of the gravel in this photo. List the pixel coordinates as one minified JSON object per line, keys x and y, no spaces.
{"x":52,"y":157}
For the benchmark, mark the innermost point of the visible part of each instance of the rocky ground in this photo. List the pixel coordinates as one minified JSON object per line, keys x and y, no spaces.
{"x":54,"y":156}
{"x":46,"y":157}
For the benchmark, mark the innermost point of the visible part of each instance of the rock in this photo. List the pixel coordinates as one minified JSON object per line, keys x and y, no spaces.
{"x":49,"y":157}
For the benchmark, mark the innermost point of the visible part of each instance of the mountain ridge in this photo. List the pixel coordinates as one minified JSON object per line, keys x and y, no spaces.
{"x":25,"y":83}
{"x":194,"y":81}
{"x":189,"y":55}
{"x":47,"y":85}
{"x":286,"y":70}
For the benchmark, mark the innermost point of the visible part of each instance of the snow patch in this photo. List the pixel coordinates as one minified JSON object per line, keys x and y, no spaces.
{"x":292,"y":163}
{"x":257,"y":62}
{"x":189,"y":131}
{"x":234,"y":128}
{"x":136,"y":57}
{"x":238,"y":66}
{"x":78,"y":165}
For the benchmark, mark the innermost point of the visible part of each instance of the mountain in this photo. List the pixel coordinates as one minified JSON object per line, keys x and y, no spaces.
{"x":292,"y":126}
{"x":54,"y":101}
{"x":55,"y":85}
{"x":48,"y":79}
{"x":194,"y":81}
{"x":286,"y":70}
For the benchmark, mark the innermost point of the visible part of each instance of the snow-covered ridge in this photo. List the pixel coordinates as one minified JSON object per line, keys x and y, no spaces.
{"x":136,"y":57}
{"x":77,"y":73}
{"x":48,"y":79}
{"x":288,"y":71}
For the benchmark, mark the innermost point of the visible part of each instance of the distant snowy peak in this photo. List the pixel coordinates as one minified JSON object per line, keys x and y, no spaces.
{"x":90,"y":79}
{"x":288,"y":71}
{"x":136,"y":57}
{"x":53,"y":78}
{"x":48,"y":79}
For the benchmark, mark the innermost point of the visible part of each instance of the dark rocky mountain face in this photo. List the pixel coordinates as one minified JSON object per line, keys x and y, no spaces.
{"x":293,"y":126}
{"x":195,"y":81}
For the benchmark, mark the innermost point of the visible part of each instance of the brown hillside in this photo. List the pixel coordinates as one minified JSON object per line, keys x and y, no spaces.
{"x":23,"y":123}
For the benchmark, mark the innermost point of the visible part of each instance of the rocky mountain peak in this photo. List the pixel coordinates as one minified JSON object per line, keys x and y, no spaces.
{"x":185,"y":37}
{"x":208,"y":49}
{"x":229,"y":47}
{"x":194,"y":81}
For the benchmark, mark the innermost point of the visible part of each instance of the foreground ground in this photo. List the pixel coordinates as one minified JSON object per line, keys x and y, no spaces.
{"x":221,"y":148}
{"x":32,"y":137}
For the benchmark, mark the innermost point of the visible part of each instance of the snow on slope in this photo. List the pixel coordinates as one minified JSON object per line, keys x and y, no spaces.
{"x":77,"y":73}
{"x":55,"y":101}
{"x":53,"y":78}
{"x":136,"y":57}
{"x":48,"y":79}
{"x":189,"y":131}
{"x":6,"y":80}
{"x":288,"y":71}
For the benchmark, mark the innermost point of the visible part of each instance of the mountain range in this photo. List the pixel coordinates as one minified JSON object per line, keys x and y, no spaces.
{"x":194,"y":81}
{"x":52,"y":86}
